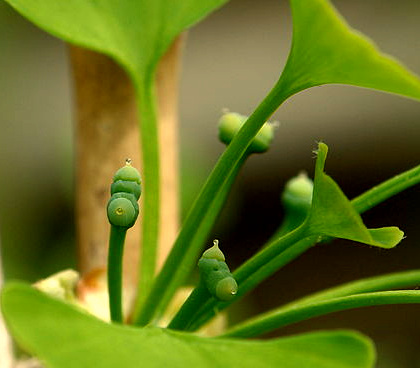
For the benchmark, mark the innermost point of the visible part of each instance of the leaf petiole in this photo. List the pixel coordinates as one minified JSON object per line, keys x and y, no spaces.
{"x":285,"y":316}
{"x":149,"y":142}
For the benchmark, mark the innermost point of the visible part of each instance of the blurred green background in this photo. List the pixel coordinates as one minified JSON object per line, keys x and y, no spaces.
{"x":231,"y":60}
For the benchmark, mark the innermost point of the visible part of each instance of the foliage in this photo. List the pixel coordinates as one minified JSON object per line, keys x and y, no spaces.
{"x":81,"y":340}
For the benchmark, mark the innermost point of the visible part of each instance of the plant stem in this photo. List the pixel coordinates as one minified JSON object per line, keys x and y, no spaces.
{"x":290,"y":223}
{"x":387,"y":189}
{"x":189,"y":307}
{"x":151,"y":190}
{"x":183,"y":255}
{"x":269,"y":253}
{"x":115,"y":260}
{"x":286,"y":316}
{"x":371,"y":284}
{"x":216,"y":206}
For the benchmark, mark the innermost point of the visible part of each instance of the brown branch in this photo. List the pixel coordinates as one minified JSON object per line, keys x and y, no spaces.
{"x":106,"y":134}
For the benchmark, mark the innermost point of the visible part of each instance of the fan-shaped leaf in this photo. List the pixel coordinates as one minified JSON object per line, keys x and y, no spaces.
{"x":325,"y":49}
{"x":135,"y":33}
{"x":64,"y":337}
{"x":332,"y":214}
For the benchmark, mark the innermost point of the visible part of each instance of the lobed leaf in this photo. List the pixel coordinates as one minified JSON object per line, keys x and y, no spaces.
{"x":64,"y":337}
{"x":332,"y":214}
{"x":325,"y":49}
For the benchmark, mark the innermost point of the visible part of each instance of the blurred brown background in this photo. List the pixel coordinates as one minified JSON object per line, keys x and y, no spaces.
{"x":231,"y":60}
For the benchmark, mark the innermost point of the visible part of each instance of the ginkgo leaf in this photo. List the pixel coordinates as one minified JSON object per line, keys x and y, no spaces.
{"x":65,"y":337}
{"x":325,"y":49}
{"x":332,"y":214}
{"x":135,"y":33}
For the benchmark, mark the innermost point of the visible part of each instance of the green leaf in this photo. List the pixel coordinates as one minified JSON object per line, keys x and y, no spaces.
{"x":332,"y":214}
{"x":65,"y":337}
{"x":325,"y":49}
{"x":135,"y":33}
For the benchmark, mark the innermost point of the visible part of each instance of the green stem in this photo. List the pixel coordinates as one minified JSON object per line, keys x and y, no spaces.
{"x":291,"y":221}
{"x":189,"y":307}
{"x":115,"y":260}
{"x":377,"y":283}
{"x":183,"y":255}
{"x":151,"y":193}
{"x":269,"y":253}
{"x":387,"y":189}
{"x":283,"y":317}
{"x":216,"y":206}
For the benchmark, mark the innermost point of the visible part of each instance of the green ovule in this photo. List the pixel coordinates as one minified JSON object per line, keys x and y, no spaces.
{"x":216,"y":274}
{"x":297,"y":201}
{"x":122,"y":211}
{"x":230,"y":124}
{"x":298,"y":192}
{"x":125,"y":191}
